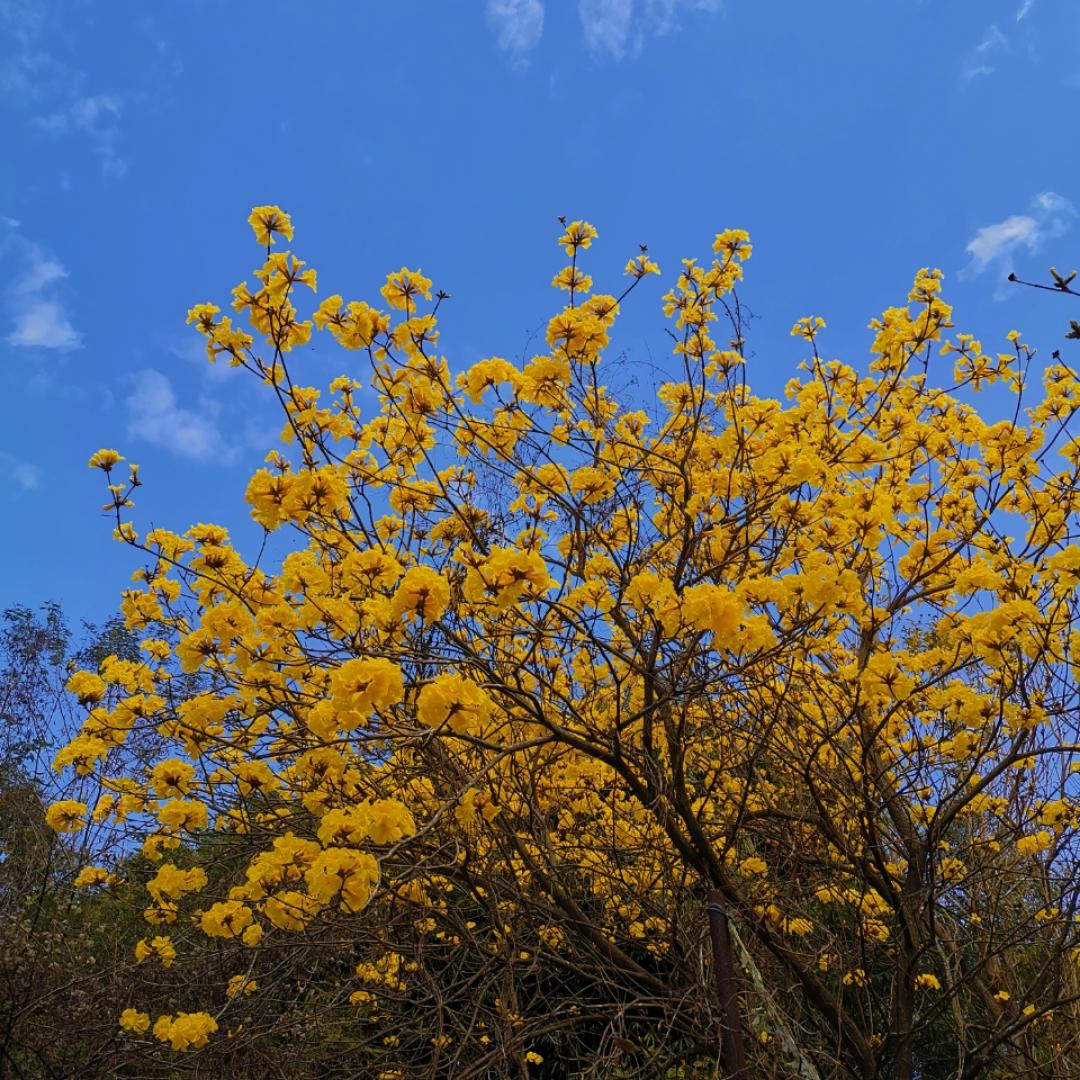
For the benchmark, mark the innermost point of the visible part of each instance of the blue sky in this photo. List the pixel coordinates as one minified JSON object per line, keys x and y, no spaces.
{"x":856,"y":141}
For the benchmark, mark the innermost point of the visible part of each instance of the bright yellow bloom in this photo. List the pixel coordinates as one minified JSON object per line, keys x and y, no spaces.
{"x":711,"y":607}
{"x":185,"y":1031}
{"x":361,"y":686}
{"x":170,"y":882}
{"x":578,"y":234}
{"x":389,"y":821}
{"x":104,"y":459}
{"x":89,"y":876}
{"x":183,"y":815}
{"x":67,"y":815}
{"x":642,"y":265}
{"x":172,"y":777}
{"x":226,"y":919}
{"x":422,"y":594}
{"x":268,"y":222}
{"x":343,"y":872}
{"x":88,"y":687}
{"x":161,"y":947}
{"x":402,"y":288}
{"x":134,"y":1021}
{"x":1035,"y":842}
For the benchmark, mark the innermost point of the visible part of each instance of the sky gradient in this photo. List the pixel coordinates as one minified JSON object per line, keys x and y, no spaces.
{"x":856,"y":141}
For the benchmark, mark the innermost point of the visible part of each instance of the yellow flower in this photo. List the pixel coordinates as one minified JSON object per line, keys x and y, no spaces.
{"x":104,"y":459}
{"x":1034,"y":843}
{"x":266,"y":221}
{"x":808,"y":327}
{"x":290,"y":910}
{"x":735,"y":243}
{"x":711,"y":607}
{"x":454,"y":701}
{"x":641,"y":266}
{"x":533,"y":1058}
{"x":926,"y":981}
{"x":172,"y":777}
{"x":362,"y":685}
{"x":402,"y":288}
{"x":134,"y":1021}
{"x":343,"y":872}
{"x":93,"y":875}
{"x":161,"y":947}
{"x":423,"y":594}
{"x":226,"y":919}
{"x":572,"y":279}
{"x":170,"y":882}
{"x":67,"y":815}
{"x":241,"y":984}
{"x":390,"y":820}
{"x":187,"y":1031}
{"x":181,"y":814}
{"x":578,"y":234}
{"x":87,"y":687}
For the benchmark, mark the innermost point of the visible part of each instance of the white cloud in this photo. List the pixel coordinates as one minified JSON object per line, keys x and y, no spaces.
{"x":617,"y":29}
{"x":43,"y":324}
{"x":1001,"y":240}
{"x":22,"y":474}
{"x":978,"y":61}
{"x":1051,"y":203}
{"x":662,"y":16}
{"x":1024,"y":10}
{"x":996,"y":245}
{"x":51,"y":91}
{"x":155,"y":415}
{"x":607,"y":24}
{"x":40,"y":319}
{"x":42,"y":271}
{"x":98,"y":119}
{"x":518,"y":26}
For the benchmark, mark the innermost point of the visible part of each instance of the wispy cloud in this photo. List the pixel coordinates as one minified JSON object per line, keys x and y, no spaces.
{"x":518,"y":26}
{"x":155,"y":415}
{"x":21,"y":474}
{"x":618,"y":29}
{"x":38,"y":315}
{"x":996,"y":246}
{"x":607,"y":25}
{"x":43,"y":324}
{"x":979,"y":62}
{"x":98,"y":119}
{"x":1024,"y":10}
{"x":52,"y":93}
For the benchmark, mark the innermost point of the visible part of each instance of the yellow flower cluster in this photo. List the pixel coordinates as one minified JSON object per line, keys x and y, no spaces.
{"x":606,"y":648}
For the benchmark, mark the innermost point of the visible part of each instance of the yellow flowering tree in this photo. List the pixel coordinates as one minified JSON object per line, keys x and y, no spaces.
{"x":561,"y":699}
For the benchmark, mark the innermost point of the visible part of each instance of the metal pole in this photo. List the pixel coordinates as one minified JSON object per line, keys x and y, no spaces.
{"x":732,"y":1052}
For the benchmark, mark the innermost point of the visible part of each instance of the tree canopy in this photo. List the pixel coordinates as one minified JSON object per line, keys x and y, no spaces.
{"x":555,"y":678}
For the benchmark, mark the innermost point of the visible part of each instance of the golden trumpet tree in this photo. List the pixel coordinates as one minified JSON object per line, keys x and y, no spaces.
{"x":545,"y":667}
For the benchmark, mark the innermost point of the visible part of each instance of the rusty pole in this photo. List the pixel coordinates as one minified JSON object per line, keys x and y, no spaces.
{"x":732,"y":1052}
